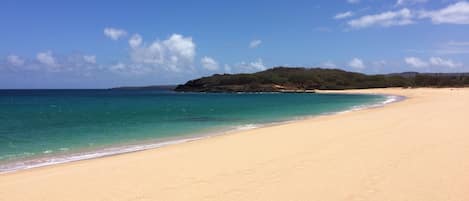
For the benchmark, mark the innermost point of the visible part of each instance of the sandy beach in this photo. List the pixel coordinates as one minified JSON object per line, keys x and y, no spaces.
{"x":413,"y":150}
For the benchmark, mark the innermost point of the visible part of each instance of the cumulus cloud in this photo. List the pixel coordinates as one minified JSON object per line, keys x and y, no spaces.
{"x":385,"y":19}
{"x":247,"y":67}
{"x":15,"y":60}
{"x":47,"y":61}
{"x":256,"y":65}
{"x":209,"y":63}
{"x":415,"y":62}
{"x":135,"y":41}
{"x":118,"y":67}
{"x":433,"y":61}
{"x":457,"y":13}
{"x":405,"y":2}
{"x":255,"y":43}
{"x":180,"y":45}
{"x":343,"y":15}
{"x":175,"y":53}
{"x":91,"y":59}
{"x":356,"y":63}
{"x":46,"y":58}
{"x":437,"y":61}
{"x":114,"y":33}
{"x":130,"y":68}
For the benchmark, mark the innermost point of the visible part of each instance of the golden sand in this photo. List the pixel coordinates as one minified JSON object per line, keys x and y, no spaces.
{"x":413,"y":150}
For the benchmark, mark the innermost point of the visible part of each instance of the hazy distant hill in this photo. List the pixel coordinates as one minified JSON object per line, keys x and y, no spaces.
{"x":299,"y":79}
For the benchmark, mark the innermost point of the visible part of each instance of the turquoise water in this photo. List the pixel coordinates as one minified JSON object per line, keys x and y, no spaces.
{"x":48,"y":126}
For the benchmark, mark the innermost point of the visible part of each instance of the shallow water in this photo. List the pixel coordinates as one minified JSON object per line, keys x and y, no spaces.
{"x":40,"y":127}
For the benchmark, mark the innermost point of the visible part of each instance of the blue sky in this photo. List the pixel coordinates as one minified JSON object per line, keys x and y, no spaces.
{"x":100,"y":44}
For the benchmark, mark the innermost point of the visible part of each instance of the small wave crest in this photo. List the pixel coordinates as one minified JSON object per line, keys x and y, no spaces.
{"x":247,"y":127}
{"x":391,"y":99}
{"x":388,"y":99}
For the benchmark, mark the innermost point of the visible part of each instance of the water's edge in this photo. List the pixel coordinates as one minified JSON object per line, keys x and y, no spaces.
{"x":111,"y":151}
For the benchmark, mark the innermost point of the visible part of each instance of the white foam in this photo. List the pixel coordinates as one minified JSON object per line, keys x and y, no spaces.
{"x":46,"y":161}
{"x":247,"y":127}
{"x":389,"y":99}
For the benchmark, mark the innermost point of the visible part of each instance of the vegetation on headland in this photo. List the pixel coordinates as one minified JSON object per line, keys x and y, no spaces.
{"x":288,"y":79}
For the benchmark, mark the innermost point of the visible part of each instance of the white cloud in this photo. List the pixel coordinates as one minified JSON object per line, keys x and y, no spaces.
{"x":457,"y":13}
{"x":356,"y":63}
{"x":406,"y":2}
{"x":47,"y":61}
{"x":118,"y":67}
{"x":209,"y":63}
{"x":415,"y":62}
{"x":437,"y":61}
{"x":114,"y":34}
{"x":255,"y":43}
{"x":257,"y":64}
{"x":46,"y":58}
{"x":91,"y":59}
{"x":135,"y":41}
{"x":151,"y":54}
{"x":353,"y":1}
{"x":175,"y":53}
{"x":343,"y":15}
{"x":180,"y":45}
{"x":433,"y":61}
{"x":245,"y":67}
{"x":386,"y":19}
{"x":15,"y":60}
{"x":130,"y":69}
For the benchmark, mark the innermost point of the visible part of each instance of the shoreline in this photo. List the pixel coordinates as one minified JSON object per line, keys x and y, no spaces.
{"x":159,"y":143}
{"x":411,"y":150}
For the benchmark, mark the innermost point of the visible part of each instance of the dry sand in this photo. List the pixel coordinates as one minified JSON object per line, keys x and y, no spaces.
{"x":414,"y":150}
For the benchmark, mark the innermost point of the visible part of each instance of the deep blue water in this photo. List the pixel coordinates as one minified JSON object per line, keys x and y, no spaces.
{"x":38,"y":124}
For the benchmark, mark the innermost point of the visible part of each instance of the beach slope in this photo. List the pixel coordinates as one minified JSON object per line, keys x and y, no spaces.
{"x":416,"y":149}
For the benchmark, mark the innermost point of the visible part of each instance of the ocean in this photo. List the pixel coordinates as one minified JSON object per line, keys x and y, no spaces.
{"x":43,"y":127}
